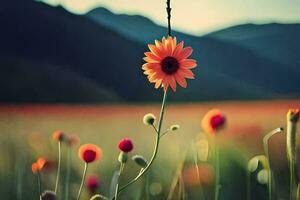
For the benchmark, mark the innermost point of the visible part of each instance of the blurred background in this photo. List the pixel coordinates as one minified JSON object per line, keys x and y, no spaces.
{"x":75,"y":65}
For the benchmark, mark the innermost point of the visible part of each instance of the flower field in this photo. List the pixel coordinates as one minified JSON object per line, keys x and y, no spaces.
{"x":184,"y":166}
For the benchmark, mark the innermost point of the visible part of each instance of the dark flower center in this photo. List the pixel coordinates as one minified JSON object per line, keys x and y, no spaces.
{"x":169,"y":65}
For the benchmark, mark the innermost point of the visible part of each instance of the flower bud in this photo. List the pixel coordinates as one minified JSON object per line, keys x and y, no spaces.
{"x":125,"y":145}
{"x":48,"y":195}
{"x":292,"y":119}
{"x":59,"y":136}
{"x":92,"y":183}
{"x":140,"y":160}
{"x":256,"y":161}
{"x":149,"y":119}
{"x":262,"y":176}
{"x":213,"y":121}
{"x":122,"y":157}
{"x":174,"y":127}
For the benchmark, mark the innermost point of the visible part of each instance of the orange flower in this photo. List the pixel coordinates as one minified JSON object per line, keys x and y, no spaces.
{"x":89,"y":153}
{"x":168,"y":63}
{"x":73,"y":140}
{"x":38,"y":165}
{"x":213,"y":121}
{"x":35,"y":168}
{"x":58,"y":136}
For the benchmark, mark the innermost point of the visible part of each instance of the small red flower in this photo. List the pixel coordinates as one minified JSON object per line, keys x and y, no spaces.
{"x":92,"y":183}
{"x":89,"y":153}
{"x":58,"y":136}
{"x":125,"y":145}
{"x":213,"y":121}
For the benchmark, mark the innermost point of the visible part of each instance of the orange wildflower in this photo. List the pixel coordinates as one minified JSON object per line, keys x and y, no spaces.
{"x":38,"y":165}
{"x":89,"y":153}
{"x":73,"y":140}
{"x":168,"y":63}
{"x":213,"y":121}
{"x":35,"y":168}
{"x":58,"y":136}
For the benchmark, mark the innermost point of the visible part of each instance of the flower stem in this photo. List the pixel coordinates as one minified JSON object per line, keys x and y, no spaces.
{"x":58,"y":167}
{"x":292,"y":179}
{"x":67,"y":182}
{"x":298,"y":192}
{"x":117,"y":186}
{"x":82,"y":181}
{"x":266,"y":150}
{"x":291,"y":151}
{"x":217,"y":171}
{"x":161,"y":117}
{"x":248,"y":185}
{"x":169,"y":9}
{"x":39,"y":184}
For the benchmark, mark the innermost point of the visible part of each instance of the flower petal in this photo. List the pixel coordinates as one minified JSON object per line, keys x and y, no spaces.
{"x":148,"y":66}
{"x":149,"y":60}
{"x":160,"y":46}
{"x":168,"y":46}
{"x":180,"y":80}
{"x":185,"y":53}
{"x":178,"y":49}
{"x":186,"y":73}
{"x":152,"y":56}
{"x":155,"y":50}
{"x":172,"y":83}
{"x":158,"y":83}
{"x":188,"y":63}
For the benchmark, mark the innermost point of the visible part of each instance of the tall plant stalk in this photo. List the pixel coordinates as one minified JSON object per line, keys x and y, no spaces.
{"x":266,"y":150}
{"x":292,"y":119}
{"x":155,"y":148}
{"x":82,"y":180}
{"x":58,"y":167}
{"x":217,"y":170}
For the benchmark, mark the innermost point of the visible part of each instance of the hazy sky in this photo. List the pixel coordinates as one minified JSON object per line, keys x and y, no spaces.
{"x":197,"y":16}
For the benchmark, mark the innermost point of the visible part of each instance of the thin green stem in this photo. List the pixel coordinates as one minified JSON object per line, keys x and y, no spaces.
{"x":164,"y":133}
{"x":117,"y":186}
{"x":68,"y":173}
{"x":195,"y":156}
{"x":39,"y":184}
{"x":82,"y":181}
{"x":58,"y":167}
{"x":147,"y":186}
{"x":298,"y":191}
{"x":217,"y":171}
{"x":266,"y":149}
{"x":155,"y":128}
{"x":248,"y":185}
{"x":161,"y":117}
{"x":292,"y":178}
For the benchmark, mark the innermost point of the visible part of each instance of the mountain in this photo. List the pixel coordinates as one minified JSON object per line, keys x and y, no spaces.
{"x":50,"y":55}
{"x":135,"y":27}
{"x":278,"y":42}
{"x":256,"y":61}
{"x":49,"y":38}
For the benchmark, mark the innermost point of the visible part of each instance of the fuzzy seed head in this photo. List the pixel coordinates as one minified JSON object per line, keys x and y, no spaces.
{"x":149,"y":119}
{"x":174,"y":127}
{"x":49,"y":195}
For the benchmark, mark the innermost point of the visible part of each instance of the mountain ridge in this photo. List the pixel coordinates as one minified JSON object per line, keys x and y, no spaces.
{"x":100,"y":59}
